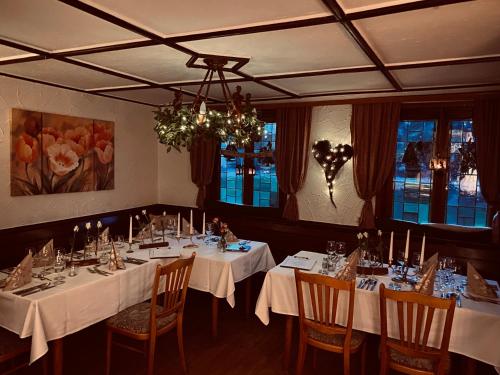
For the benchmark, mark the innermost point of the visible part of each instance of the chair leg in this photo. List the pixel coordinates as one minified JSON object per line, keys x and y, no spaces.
{"x":301,"y":357}
{"x":109,"y":343}
{"x":315,"y":357}
{"x":383,"y":363}
{"x":151,"y":354}
{"x":347,"y":362}
{"x":180,"y":343}
{"x":363,"y":359}
{"x":45,"y":364}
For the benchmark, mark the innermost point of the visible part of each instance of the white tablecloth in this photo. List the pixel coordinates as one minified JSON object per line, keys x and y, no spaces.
{"x":89,"y":298}
{"x":475,"y":331}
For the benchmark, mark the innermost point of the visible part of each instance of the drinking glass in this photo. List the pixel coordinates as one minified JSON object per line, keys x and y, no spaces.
{"x":330,"y":248}
{"x":60,"y":264}
{"x":120,"y":241}
{"x":415,"y":261}
{"x":341,"y":249}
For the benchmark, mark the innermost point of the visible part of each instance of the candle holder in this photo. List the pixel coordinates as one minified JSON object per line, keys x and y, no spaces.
{"x":403,"y":277}
{"x":190,"y":245}
{"x":130,"y":248}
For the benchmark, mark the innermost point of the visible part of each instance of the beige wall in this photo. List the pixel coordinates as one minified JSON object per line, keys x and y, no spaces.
{"x":330,"y":122}
{"x":135,"y":154}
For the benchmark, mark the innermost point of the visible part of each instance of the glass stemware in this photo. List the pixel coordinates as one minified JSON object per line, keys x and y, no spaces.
{"x":415,"y":261}
{"x":119,"y":241}
{"x":341,"y":249}
{"x":59,"y":264}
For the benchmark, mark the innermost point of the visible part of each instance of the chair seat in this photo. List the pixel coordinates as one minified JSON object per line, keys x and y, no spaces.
{"x":418,"y":363}
{"x":357,"y":337}
{"x":136,"y":319}
{"x":11,"y":343}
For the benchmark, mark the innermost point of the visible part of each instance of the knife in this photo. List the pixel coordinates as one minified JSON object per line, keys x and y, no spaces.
{"x":38,"y":290}
{"x":362,"y":283}
{"x":373,"y":285}
{"x":101,"y":272}
{"x":27,"y":290}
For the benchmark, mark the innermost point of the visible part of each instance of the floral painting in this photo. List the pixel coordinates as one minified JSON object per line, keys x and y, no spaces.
{"x":54,"y":153}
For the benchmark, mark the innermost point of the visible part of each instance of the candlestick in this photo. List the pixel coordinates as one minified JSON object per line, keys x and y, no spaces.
{"x":203,"y":224}
{"x":407,"y":248}
{"x":390,"y":247}
{"x":191,"y":223}
{"x":179,"y":225}
{"x":422,"y":252}
{"x":130,"y":230}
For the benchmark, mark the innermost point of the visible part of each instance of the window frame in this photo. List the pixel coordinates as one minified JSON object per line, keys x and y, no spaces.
{"x":223,"y":208}
{"x":443,"y":114}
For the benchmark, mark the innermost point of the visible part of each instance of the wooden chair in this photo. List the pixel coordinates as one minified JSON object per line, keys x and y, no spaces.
{"x":321,"y":331}
{"x":12,"y":348}
{"x":410,"y":354}
{"x":146,"y":321}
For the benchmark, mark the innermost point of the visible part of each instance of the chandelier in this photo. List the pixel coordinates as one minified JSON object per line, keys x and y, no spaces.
{"x":178,"y":125}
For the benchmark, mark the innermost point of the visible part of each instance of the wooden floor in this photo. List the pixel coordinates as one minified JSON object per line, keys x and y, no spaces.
{"x":244,"y":347}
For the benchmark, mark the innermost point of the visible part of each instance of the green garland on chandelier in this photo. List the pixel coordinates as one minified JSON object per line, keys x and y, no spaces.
{"x":177,"y":129}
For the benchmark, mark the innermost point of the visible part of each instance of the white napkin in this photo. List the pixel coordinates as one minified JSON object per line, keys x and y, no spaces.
{"x":349,"y":271}
{"x":426,"y":283}
{"x":477,"y":285}
{"x":21,"y":274}
{"x":45,"y":256}
{"x":115,"y":260}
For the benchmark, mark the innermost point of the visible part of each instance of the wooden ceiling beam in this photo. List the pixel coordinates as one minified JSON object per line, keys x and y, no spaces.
{"x":337,"y":11}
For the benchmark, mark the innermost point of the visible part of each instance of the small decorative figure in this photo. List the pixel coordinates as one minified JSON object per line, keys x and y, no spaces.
{"x":238,"y":100}
{"x":177,"y":102}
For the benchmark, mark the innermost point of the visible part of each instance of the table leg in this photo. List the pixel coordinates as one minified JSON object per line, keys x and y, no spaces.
{"x":288,"y":341}
{"x":248,"y":295}
{"x":470,"y":366}
{"x":215,"y":315}
{"x":57,"y":356}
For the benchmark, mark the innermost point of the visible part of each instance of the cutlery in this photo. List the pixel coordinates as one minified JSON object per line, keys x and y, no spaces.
{"x":138,"y":261}
{"x":368,"y":284}
{"x":27,"y":290}
{"x":374,"y":283}
{"x":102,"y":272}
{"x":40,"y":289}
{"x":362,"y":283}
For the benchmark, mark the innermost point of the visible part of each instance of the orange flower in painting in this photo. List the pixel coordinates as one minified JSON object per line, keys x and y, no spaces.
{"x":62,"y":159}
{"x":49,"y":137}
{"x":27,"y":148}
{"x":102,"y":132}
{"x":32,"y":126}
{"x":79,"y":139}
{"x":104,"y":151}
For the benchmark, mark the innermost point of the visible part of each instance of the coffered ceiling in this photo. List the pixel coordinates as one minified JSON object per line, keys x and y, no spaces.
{"x":282,"y":50}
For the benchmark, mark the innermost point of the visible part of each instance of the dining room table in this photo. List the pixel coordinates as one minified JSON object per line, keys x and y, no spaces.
{"x":96,"y":293}
{"x":475,"y":330}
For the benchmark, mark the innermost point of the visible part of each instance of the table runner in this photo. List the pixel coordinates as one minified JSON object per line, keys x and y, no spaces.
{"x":89,"y":298}
{"x":475,"y":330}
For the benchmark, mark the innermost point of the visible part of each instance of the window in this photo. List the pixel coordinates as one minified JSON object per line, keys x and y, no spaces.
{"x":451,"y":195}
{"x":248,"y":174}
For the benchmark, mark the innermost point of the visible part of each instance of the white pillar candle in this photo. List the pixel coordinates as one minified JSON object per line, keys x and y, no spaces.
{"x":407,"y":248}
{"x":130,"y":230}
{"x":422,"y":252}
{"x":203,"y":223}
{"x":179,"y":224}
{"x":390,"y":247}
{"x":191,"y":222}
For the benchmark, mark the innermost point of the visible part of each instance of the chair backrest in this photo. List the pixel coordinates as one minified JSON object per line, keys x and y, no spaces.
{"x":176,"y":277}
{"x":323,"y":296}
{"x":415,"y":327}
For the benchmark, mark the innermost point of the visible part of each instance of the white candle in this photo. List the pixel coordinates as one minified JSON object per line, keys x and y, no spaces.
{"x":130,"y":230}
{"x":390,"y":247}
{"x":179,"y":224}
{"x":422,"y":252}
{"x":191,"y":222}
{"x":203,"y":223}
{"x":407,"y":248}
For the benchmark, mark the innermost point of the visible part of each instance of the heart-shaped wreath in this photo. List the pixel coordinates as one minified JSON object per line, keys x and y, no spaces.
{"x":331,"y":159}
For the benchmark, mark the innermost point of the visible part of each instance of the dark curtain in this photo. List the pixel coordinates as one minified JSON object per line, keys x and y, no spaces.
{"x":374,"y":129}
{"x":486,"y":128}
{"x":202,"y":155}
{"x":292,"y":154}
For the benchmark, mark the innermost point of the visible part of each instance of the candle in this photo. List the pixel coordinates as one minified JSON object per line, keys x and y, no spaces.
{"x":130,"y":230}
{"x":179,"y":224}
{"x":390,"y":247}
{"x":191,"y":222}
{"x":407,"y":248}
{"x":203,"y":223}
{"x":422,"y":252}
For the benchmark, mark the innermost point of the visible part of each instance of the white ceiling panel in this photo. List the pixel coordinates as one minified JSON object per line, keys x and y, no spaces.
{"x":157,"y":63}
{"x":7,"y":52}
{"x":151,"y":96}
{"x":51,"y":25}
{"x":335,"y":83}
{"x":258,"y":91}
{"x":308,"y":48}
{"x":452,"y":31}
{"x":450,"y":75}
{"x":188,"y":16}
{"x":65,"y":74}
{"x":350,"y":6}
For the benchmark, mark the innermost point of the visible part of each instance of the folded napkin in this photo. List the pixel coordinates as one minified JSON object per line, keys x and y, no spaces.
{"x":433,"y":260}
{"x":426,"y":283}
{"x":348,"y":272}
{"x":144,"y":233}
{"x":104,"y":236}
{"x":161,"y":221}
{"x":477,"y":285}
{"x":21,"y":274}
{"x":45,"y":256}
{"x":185,"y":228}
{"x":115,"y":260}
{"x":230,"y":237}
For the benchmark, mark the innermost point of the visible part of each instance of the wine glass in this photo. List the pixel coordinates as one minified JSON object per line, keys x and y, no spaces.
{"x":341,"y":249}
{"x":208,"y":231}
{"x":415,"y":261}
{"x":59,"y":265}
{"x":120,"y":241}
{"x":330,"y":248}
